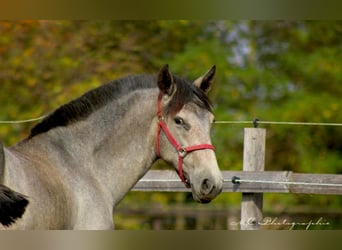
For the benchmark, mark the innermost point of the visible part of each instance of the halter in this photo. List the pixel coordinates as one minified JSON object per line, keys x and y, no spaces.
{"x":182,"y":151}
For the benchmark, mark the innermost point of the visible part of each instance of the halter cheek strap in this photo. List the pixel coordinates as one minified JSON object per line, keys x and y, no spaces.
{"x":182,"y":151}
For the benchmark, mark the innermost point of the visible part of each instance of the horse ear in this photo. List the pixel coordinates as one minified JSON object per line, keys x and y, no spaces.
{"x":165,"y":80}
{"x":205,"y":82}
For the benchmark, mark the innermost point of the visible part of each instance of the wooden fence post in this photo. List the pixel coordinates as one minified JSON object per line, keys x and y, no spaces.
{"x":253,"y":160}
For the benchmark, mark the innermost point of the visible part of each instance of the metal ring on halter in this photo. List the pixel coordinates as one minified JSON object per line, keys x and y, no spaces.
{"x":182,"y":152}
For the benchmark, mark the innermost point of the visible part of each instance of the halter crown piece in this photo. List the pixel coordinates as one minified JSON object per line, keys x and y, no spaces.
{"x":182,"y":151}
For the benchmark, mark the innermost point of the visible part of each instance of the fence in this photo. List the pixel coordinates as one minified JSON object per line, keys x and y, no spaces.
{"x":252,"y":182}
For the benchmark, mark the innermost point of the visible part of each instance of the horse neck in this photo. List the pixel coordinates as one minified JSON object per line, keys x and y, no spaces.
{"x":128,"y":149}
{"x":116,"y":144}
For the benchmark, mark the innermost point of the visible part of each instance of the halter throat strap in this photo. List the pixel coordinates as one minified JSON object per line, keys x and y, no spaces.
{"x":181,"y":150}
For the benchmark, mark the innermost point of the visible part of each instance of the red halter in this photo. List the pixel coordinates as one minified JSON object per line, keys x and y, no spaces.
{"x":182,"y":151}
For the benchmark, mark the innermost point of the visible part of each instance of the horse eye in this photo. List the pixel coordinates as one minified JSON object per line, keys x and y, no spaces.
{"x":179,"y":121}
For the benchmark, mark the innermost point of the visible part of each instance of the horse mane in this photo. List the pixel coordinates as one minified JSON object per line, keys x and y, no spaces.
{"x":80,"y":108}
{"x":185,"y":93}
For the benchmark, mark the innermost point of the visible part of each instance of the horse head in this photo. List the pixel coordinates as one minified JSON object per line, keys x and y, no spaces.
{"x":185,"y":121}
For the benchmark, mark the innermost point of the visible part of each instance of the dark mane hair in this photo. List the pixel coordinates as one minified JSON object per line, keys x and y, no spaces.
{"x":80,"y":108}
{"x":185,"y":93}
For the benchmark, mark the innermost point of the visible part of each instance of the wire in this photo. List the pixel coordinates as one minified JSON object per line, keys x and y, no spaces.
{"x":237,"y":180}
{"x":279,"y":123}
{"x":23,"y":121}
{"x":255,"y":122}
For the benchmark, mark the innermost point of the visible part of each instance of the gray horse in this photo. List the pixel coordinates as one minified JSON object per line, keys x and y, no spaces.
{"x":81,"y":160}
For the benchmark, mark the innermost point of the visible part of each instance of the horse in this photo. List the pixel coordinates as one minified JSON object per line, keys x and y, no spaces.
{"x":80,"y":161}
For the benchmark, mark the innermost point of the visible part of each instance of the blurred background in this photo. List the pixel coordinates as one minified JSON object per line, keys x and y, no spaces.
{"x":271,"y":70}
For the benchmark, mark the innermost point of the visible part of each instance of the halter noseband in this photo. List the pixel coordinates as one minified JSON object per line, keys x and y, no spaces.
{"x":182,"y":151}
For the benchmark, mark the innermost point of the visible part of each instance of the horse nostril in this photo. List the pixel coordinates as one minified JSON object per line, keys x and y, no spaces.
{"x":207,"y":187}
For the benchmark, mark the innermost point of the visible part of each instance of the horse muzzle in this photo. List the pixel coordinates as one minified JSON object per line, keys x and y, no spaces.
{"x":206,"y":189}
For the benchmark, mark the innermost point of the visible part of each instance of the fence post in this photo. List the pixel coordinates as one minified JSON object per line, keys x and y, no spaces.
{"x":253,"y":160}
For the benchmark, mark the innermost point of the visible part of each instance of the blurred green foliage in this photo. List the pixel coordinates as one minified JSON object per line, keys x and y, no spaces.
{"x":272,"y":70}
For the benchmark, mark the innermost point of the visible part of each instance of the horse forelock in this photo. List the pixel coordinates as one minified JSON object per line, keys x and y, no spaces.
{"x":187,"y":92}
